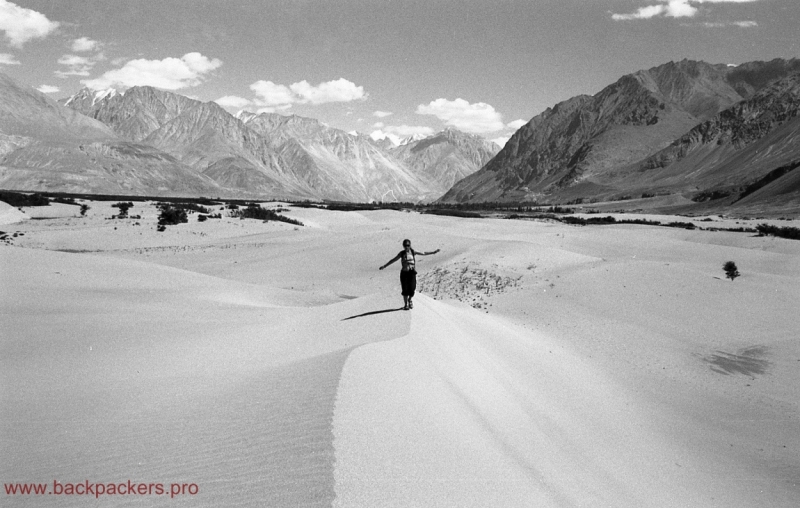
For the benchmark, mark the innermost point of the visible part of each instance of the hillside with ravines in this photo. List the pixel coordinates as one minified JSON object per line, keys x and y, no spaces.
{"x":592,"y":148}
{"x":204,"y":149}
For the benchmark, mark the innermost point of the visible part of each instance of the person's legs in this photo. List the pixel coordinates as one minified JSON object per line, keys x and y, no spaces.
{"x":412,"y":287}
{"x":404,"y":285}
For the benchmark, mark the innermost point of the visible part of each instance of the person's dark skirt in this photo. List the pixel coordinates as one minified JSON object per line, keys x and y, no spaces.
{"x":408,"y":282}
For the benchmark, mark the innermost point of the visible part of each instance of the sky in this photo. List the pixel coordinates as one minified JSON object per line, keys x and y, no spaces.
{"x":381,"y":67}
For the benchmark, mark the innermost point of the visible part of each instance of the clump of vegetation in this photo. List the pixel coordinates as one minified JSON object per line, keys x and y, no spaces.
{"x":731,"y":270}
{"x":781,"y":231}
{"x":66,"y":201}
{"x":684,"y":225}
{"x":170,"y":215}
{"x":254,"y":211}
{"x":20,"y":199}
{"x":202,"y":218}
{"x":123,"y":210}
{"x":455,"y":213}
{"x":711,"y":195}
{"x":84,"y":208}
{"x":194,"y":207}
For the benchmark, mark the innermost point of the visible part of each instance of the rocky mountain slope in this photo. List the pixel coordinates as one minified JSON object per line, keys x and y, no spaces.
{"x":572,"y":148}
{"x":47,"y":146}
{"x":446,"y":157}
{"x":729,"y":153}
{"x":346,"y":166}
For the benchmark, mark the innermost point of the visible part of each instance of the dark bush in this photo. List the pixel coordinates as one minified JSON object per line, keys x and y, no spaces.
{"x":455,"y":213}
{"x":731,"y":271}
{"x":84,"y":208}
{"x":254,"y":211}
{"x":170,"y":215}
{"x":20,"y":199}
{"x":781,"y":231}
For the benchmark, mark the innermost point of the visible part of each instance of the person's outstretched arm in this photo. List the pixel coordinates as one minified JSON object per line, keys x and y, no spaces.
{"x":427,"y":253}
{"x":390,"y":262}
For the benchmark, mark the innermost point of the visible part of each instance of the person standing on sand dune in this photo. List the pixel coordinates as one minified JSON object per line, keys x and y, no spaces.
{"x":408,"y":272}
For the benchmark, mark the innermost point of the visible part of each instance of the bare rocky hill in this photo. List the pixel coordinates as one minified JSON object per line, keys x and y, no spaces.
{"x":575,"y":149}
{"x":47,"y":146}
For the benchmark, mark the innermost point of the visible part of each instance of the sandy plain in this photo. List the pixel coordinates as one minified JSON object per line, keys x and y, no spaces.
{"x":271,"y":365}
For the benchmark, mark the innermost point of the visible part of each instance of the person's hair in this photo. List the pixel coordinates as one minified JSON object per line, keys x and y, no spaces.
{"x":406,"y":241}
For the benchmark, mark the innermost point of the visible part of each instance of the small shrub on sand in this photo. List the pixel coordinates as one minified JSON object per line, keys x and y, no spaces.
{"x":731,"y":271}
{"x":84,"y":208}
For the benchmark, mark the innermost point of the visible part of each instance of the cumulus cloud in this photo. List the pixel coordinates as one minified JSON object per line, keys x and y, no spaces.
{"x":381,"y":114}
{"x":233,"y":101}
{"x":275,"y":96}
{"x":270,"y":94}
{"x":8,"y":59}
{"x":340,"y":90}
{"x":83,"y":44}
{"x":478,"y":118}
{"x":169,"y":74}
{"x":516,"y":124}
{"x":21,"y":25}
{"x":48,"y":89}
{"x":672,"y":9}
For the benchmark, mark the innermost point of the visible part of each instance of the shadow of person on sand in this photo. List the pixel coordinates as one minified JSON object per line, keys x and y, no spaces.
{"x":372,"y":313}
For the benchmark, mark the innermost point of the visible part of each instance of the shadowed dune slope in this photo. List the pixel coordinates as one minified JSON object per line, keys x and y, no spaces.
{"x":217,"y":386}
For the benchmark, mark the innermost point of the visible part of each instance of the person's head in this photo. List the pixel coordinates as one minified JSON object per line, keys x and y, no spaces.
{"x":406,"y":243}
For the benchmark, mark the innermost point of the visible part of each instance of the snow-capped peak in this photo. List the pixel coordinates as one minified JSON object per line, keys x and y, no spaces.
{"x":94,"y":96}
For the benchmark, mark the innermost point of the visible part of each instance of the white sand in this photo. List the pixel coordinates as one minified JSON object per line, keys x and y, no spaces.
{"x":10,"y":214}
{"x":582,"y":366}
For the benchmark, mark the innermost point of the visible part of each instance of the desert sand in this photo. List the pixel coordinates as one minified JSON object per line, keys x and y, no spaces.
{"x":270,"y":364}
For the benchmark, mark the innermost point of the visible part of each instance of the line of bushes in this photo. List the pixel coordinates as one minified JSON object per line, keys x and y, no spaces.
{"x":20,"y":199}
{"x":783,"y":232}
{"x":254,"y":211}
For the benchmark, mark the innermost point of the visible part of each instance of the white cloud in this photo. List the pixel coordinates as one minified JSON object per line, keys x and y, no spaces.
{"x":516,"y":124}
{"x":501,"y":141}
{"x":742,"y":24}
{"x":169,"y":74}
{"x":275,"y":96}
{"x":478,"y":118}
{"x":270,"y":94}
{"x":48,"y":89}
{"x":21,"y":25}
{"x":233,"y":101}
{"x":672,"y":9}
{"x":76,"y":65}
{"x":8,"y":59}
{"x":382,"y":114}
{"x":84,"y":44}
{"x":340,"y":90}
{"x":378,"y":125}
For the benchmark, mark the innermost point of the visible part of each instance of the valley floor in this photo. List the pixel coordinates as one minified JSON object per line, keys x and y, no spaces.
{"x":271,"y":365}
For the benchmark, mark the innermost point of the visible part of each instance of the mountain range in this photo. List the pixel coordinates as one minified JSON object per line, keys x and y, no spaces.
{"x":719,"y":135}
{"x":103,"y":141}
{"x":683,"y":127}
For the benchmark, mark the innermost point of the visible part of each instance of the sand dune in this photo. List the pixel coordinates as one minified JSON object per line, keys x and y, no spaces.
{"x":270,"y":365}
